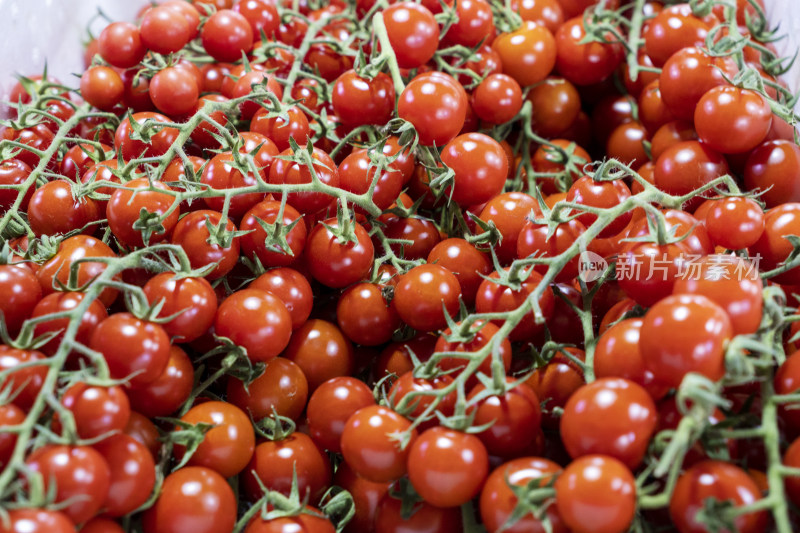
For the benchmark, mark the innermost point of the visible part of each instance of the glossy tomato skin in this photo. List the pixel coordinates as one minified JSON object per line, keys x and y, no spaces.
{"x":497,"y":99}
{"x":53,"y":209}
{"x":368,"y":447}
{"x":193,"y":498}
{"x":364,"y":315}
{"x":101,"y":525}
{"x":446,"y":467}
{"x":705,"y":328}
{"x":733,"y":284}
{"x":192,"y":234}
{"x":330,"y":407}
{"x":66,"y":301}
{"x":366,"y":497}
{"x":37,"y":521}
{"x":792,"y":459}
{"x":596,"y":494}
{"x":527,"y":54}
{"x":517,"y":419}
{"x":617,"y":355}
{"x":787,"y":381}
{"x":19,"y":295}
{"x":132,"y":346}
{"x":193,"y":298}
{"x":256,"y":320}
{"x":221,"y":174}
{"x":409,"y":392}
{"x":282,"y":387}
{"x":303,"y":523}
{"x":647,"y":271}
{"x":292,"y":288}
{"x":687,"y":76}
{"x":389,"y":518}
{"x":607,"y":194}
{"x":465,"y":261}
{"x":413,"y":33}
{"x":97,"y":410}
{"x":26,"y":382}
{"x":610,"y":416}
{"x":132,"y":473}
{"x":226,"y":35}
{"x":357,"y":173}
{"x":336,"y":262}
{"x":557,"y":381}
{"x":436,"y":105}
{"x":160,"y":138}
{"x":720,"y":481}
{"x":274,"y":462}
{"x":672,"y":29}
{"x":10,"y":415}
{"x":584,"y":64}
{"x":773,"y":247}
{"x":493,"y":297}
{"x":15,"y":172}
{"x":497,"y":500}
{"x":124,"y":208}
{"x":70,"y":250}
{"x":120,"y":44}
{"x":358,"y":101}
{"x":480,"y":166}
{"x":421,"y":294}
{"x":534,"y":240}
{"x":228,"y":446}
{"x":167,"y":393}
{"x":291,"y":172}
{"x":508,"y":211}
{"x":717,"y":127}
{"x":80,"y":474}
{"x":774,"y":167}
{"x":253,"y":243}
{"x":322,"y":351}
{"x":735,"y":223}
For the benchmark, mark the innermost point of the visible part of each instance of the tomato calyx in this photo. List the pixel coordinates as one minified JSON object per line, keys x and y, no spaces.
{"x":275,"y":427}
{"x":190,"y":436}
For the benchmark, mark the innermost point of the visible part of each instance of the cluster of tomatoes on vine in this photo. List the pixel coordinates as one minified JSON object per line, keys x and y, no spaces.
{"x":286,"y":248}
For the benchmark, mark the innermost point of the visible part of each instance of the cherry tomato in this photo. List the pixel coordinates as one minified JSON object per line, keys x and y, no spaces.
{"x":497,"y":99}
{"x":120,"y":44}
{"x":436,"y":105}
{"x":193,"y":234}
{"x":610,"y":416}
{"x":256,"y":320}
{"x":336,"y":261}
{"x":446,"y":467}
{"x":192,"y":498}
{"x":75,"y":473}
{"x":465,"y":261}
{"x":413,"y":33}
{"x":517,"y":419}
{"x":276,"y":462}
{"x":719,"y":481}
{"x":599,"y":483}
{"x":53,"y":209}
{"x":282,"y":386}
{"x":358,"y":101}
{"x":705,"y":328}
{"x":97,"y":410}
{"x":390,"y":518}
{"x":132,"y":473}
{"x":424,"y":294}
{"x":37,"y":521}
{"x":102,"y":87}
{"x":292,"y":288}
{"x":191,"y":299}
{"x":321,"y":350}
{"x":364,"y":315}
{"x":369,"y":447}
{"x":493,"y":297}
{"x":20,"y":294}
{"x":584,"y":64}
{"x":169,"y":391}
{"x":508,"y":211}
{"x":226,"y":34}
{"x":366,"y":497}
{"x":498,"y":501}
{"x":773,"y":248}
{"x":527,"y":54}
{"x":480,"y":166}
{"x":773,"y":168}
{"x":133,"y":348}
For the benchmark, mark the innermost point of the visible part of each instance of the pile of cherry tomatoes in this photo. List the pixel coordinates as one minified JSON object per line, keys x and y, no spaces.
{"x":377,"y":266}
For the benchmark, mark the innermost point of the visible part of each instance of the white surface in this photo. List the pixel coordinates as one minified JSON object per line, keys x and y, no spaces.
{"x":55,"y":29}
